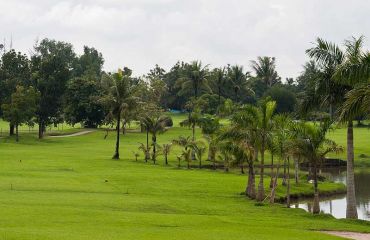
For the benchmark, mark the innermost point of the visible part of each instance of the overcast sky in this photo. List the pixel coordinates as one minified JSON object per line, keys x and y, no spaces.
{"x":142,"y":33}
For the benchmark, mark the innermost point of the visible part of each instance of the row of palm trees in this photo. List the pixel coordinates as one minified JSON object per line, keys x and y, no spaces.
{"x":254,"y":128}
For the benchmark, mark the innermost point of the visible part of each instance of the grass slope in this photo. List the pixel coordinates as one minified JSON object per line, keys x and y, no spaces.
{"x":69,"y":188}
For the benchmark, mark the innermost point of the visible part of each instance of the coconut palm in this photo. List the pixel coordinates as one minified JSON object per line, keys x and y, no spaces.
{"x":219,"y":81}
{"x":351,"y":68}
{"x":265,"y":71}
{"x":310,"y":142}
{"x":238,"y":79}
{"x":155,"y":126}
{"x":194,"y":79}
{"x":118,"y":98}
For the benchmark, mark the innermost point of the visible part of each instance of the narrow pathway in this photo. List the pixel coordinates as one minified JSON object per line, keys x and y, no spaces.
{"x":73,"y":134}
{"x":349,"y":235}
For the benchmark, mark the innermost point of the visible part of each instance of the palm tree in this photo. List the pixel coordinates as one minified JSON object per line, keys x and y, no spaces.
{"x":264,"y":69}
{"x":194,"y":79}
{"x":119,"y":97}
{"x":219,"y":80}
{"x":146,"y":151}
{"x":351,"y":67}
{"x":240,"y":142}
{"x":199,"y":149}
{"x":186,"y":155}
{"x":310,"y":142}
{"x":281,"y":142}
{"x":155,"y":126}
{"x":238,"y":79}
{"x":259,"y":121}
{"x":210,"y":125}
{"x":166,"y":148}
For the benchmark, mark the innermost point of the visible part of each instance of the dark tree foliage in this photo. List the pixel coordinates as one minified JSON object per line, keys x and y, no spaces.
{"x":285,"y":99}
{"x":51,"y":66}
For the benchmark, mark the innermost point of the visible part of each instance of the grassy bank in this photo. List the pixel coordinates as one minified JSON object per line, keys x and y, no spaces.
{"x":69,"y":188}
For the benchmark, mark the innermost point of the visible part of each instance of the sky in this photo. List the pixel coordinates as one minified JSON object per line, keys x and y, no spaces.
{"x":141,"y":33}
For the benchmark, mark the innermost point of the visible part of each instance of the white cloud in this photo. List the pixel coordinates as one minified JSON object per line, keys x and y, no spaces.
{"x":142,"y":33}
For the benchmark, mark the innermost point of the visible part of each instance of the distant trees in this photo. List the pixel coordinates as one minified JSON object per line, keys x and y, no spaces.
{"x":14,"y":71}
{"x":22,"y":107}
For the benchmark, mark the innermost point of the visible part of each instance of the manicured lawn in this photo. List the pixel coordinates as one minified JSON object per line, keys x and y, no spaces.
{"x":70,"y":188}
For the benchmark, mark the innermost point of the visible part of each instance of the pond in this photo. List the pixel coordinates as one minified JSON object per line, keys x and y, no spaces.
{"x":336,"y":205}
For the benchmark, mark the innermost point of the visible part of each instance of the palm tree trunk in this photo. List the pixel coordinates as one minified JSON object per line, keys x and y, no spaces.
{"x":272,"y":171}
{"x":147,"y":155}
{"x":351,"y":211}
{"x":261,"y":189}
{"x":116,"y":154}
{"x":251,"y":186}
{"x":316,"y":203}
{"x":273,"y":190}
{"x":288,"y":187}
{"x":154,"y":139}
{"x":296,"y":170}
{"x":284,"y":175}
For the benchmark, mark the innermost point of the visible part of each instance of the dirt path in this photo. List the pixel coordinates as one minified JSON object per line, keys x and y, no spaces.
{"x":349,"y":235}
{"x":73,"y":134}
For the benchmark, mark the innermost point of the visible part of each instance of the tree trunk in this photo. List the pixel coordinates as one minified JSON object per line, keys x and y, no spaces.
{"x":272,"y":171}
{"x":296,"y":170}
{"x":351,"y":211}
{"x":241,"y":168}
{"x":154,"y":139}
{"x":288,"y":187}
{"x":166,"y":160}
{"x":16,"y":133}
{"x":273,"y":190}
{"x":200,"y":162}
{"x":11,"y":129}
{"x":147,"y":154}
{"x":192,"y":151}
{"x":251,"y":185}
{"x":316,"y":203}
{"x":284,"y":175}
{"x":261,"y":188}
{"x":116,"y":154}
{"x":41,"y":129}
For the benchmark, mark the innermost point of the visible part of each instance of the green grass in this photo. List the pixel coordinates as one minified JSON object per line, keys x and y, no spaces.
{"x":70,"y":188}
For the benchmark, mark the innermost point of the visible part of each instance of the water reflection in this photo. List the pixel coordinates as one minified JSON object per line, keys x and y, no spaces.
{"x":336,"y":205}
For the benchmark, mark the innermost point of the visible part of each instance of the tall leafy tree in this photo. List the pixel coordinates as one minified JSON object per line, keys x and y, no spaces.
{"x":194,"y":79}
{"x":51,"y":66}
{"x":14,"y":71}
{"x":118,"y":97}
{"x":265,"y":70}
{"x":238,"y":79}
{"x":346,"y":68}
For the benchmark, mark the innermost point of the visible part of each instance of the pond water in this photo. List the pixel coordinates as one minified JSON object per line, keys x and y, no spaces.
{"x":336,"y":205}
